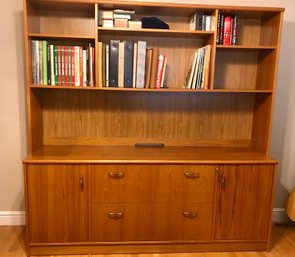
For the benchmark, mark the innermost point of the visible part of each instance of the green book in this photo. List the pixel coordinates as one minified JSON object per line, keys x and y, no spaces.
{"x":44,"y":61}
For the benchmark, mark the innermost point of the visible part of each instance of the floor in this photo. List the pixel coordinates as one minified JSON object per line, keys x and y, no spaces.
{"x":283,"y":245}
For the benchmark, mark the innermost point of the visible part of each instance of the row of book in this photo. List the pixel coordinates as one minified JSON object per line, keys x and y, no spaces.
{"x":227,"y":29}
{"x":201,"y":21}
{"x":198,"y":74}
{"x":130,"y":64}
{"x":118,"y":18}
{"x":62,"y":65}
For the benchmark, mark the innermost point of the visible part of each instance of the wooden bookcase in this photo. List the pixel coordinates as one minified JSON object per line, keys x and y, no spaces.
{"x":89,"y":189}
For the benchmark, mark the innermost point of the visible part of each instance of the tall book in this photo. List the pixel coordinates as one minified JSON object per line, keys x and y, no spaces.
{"x":107,"y":65}
{"x":35,"y":57}
{"x":148,"y":67}
{"x":128,"y":63}
{"x":161,"y":63}
{"x":227,"y":30}
{"x":121,"y":64}
{"x":205,"y":84}
{"x":99,"y":63}
{"x":191,"y":70}
{"x":141,"y":55}
{"x":154,"y":68}
{"x":135,"y":47}
{"x":113,"y":66}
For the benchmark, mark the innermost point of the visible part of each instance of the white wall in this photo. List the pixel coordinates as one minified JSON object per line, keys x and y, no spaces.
{"x":12,"y":102}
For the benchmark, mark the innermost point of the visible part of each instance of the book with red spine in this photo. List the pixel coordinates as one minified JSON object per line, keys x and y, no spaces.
{"x":73,"y":64}
{"x":81,"y":64}
{"x":227,"y":30}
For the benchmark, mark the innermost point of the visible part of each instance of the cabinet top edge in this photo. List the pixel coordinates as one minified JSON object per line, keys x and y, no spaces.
{"x":111,"y":4}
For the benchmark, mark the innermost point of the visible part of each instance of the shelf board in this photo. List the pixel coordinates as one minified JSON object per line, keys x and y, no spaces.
{"x":152,"y":32}
{"x":246,"y":47}
{"x":60,"y":36}
{"x":162,"y":90}
{"x":156,"y":155}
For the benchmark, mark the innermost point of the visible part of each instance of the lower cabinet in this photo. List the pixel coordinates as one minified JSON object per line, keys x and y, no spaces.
{"x":243,"y":201}
{"x":57,"y":203}
{"x":89,"y":204}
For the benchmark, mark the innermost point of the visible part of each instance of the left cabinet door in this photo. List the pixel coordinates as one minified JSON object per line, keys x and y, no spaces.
{"x":57,"y":202}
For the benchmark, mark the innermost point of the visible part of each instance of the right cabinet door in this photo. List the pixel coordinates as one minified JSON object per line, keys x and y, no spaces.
{"x":243,"y":201}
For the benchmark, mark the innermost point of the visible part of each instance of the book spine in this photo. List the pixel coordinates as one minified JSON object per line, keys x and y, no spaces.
{"x":113,"y":68}
{"x":66,"y":66}
{"x":227,"y":30}
{"x":81,"y":64}
{"x":148,"y":66}
{"x":62,"y":54}
{"x":160,"y":70}
{"x":84,"y":56}
{"x":55,"y":53}
{"x":59,"y":64}
{"x":41,"y":62}
{"x":48,"y":65}
{"x":234,"y":31}
{"x":221,"y":29}
{"x":107,"y":64}
{"x":135,"y":47}
{"x":128,"y":63}
{"x":52,"y":65}
{"x":99,"y":63}
{"x":121,"y":64}
{"x":44,"y":61}
{"x":103,"y":65}
{"x":154,"y":68}
{"x":73,"y":56}
{"x":34,"y":55}
{"x":69,"y":65}
{"x":164,"y":72}
{"x":77,"y":66}
{"x":218,"y":29}
{"x":141,"y":55}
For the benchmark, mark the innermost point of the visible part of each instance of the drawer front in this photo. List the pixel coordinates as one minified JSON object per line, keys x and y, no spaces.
{"x":145,"y":222}
{"x":152,"y":183}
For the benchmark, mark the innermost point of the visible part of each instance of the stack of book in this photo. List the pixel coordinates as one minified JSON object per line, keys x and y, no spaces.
{"x":62,"y":65}
{"x":130,"y":64}
{"x":227,"y":29}
{"x":201,"y":21}
{"x":198,"y":73}
{"x":117,"y":18}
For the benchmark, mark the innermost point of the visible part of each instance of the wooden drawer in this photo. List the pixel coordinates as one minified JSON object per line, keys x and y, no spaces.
{"x":152,"y":183}
{"x":145,"y":222}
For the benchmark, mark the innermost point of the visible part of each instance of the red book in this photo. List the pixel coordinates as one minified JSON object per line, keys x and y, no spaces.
{"x":81,"y":64}
{"x":227,"y":30}
{"x":73,"y":64}
{"x":59,"y":65}
{"x":66,"y":67}
{"x":161,"y":63}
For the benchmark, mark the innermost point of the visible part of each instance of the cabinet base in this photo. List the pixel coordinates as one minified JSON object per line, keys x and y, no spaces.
{"x":146,"y":247}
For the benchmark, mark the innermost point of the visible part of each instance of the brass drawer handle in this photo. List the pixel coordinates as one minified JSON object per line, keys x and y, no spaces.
{"x":192,"y":175}
{"x":116,"y":215}
{"x":190,"y":214}
{"x":116,"y":175}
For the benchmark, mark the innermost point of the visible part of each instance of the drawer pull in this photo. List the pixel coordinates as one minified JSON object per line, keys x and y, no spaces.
{"x":192,"y":175}
{"x":116,"y":175}
{"x":116,"y":215}
{"x":190,"y":214}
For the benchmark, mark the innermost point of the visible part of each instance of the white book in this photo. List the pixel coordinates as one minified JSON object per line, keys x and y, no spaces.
{"x":77,"y":66}
{"x":51,"y":65}
{"x":84,"y":68}
{"x":135,"y":46}
{"x":191,"y":70}
{"x":141,"y":55}
{"x":121,"y":64}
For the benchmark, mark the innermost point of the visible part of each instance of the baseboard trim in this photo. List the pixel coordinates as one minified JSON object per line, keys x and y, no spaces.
{"x":279,"y":215}
{"x":12,"y":218}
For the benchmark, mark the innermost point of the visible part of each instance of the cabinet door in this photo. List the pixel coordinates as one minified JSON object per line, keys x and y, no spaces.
{"x":57,"y":203}
{"x":243,"y":201}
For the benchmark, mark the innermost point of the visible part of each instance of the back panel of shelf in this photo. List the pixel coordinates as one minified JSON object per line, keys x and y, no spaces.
{"x":75,"y":117}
